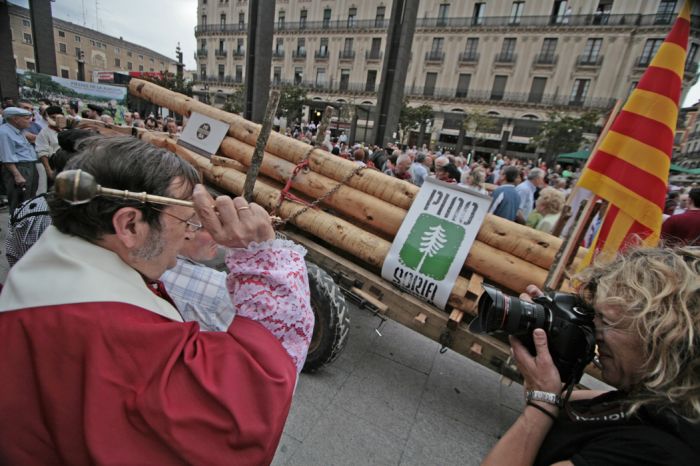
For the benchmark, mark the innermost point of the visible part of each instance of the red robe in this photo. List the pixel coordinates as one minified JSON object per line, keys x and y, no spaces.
{"x":110,"y":382}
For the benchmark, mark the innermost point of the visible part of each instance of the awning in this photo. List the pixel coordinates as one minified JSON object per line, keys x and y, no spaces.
{"x":584,"y":154}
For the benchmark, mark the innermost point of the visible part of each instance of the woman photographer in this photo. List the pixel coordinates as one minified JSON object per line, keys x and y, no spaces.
{"x":647,"y":320}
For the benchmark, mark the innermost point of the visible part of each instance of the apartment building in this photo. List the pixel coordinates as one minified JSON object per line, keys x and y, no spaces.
{"x":100,"y":52}
{"x":516,"y":61}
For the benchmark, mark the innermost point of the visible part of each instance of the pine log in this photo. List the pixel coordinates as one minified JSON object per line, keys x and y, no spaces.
{"x":516,"y":238}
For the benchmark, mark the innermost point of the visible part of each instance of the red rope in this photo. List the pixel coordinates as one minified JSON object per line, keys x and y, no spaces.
{"x":285,"y":194}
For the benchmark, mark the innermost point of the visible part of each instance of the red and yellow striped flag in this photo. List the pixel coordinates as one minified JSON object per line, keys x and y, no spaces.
{"x":630,"y":167}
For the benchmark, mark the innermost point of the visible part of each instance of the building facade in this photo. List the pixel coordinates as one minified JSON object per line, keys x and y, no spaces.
{"x":516,"y":61}
{"x":99,"y":52}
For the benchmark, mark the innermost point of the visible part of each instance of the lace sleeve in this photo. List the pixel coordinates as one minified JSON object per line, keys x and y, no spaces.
{"x":268,"y":283}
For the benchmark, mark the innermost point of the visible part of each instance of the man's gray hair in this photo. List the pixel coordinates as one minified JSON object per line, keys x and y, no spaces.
{"x":535,"y":173}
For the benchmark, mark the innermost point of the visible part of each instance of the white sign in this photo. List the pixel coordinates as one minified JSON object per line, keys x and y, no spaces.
{"x":434,"y":240}
{"x":203,"y":134}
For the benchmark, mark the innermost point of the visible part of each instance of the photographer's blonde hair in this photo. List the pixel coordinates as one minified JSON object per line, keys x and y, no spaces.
{"x":659,"y":290}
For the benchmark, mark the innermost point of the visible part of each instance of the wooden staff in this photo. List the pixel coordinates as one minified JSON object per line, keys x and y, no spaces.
{"x":260,"y":144}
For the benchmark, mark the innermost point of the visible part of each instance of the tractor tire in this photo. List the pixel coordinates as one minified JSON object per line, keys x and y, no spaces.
{"x":332,"y":324}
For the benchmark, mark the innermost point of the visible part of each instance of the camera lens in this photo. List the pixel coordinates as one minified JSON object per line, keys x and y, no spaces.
{"x":498,"y":311}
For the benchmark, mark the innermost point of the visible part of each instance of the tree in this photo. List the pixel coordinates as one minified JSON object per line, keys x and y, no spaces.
{"x":410,"y":117}
{"x":292,"y":100}
{"x":477,"y":125}
{"x":235,"y":102}
{"x":563,"y":133}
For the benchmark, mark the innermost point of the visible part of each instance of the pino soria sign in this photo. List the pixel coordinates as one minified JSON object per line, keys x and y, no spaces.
{"x":434,"y":240}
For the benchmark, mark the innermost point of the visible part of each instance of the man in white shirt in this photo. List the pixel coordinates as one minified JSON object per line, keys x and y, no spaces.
{"x":526,"y":190}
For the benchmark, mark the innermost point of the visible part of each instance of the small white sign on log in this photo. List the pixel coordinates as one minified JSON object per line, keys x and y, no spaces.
{"x":434,"y":240}
{"x":203,"y":134}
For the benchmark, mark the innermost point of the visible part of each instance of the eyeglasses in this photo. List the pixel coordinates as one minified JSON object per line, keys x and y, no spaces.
{"x":191,"y":226}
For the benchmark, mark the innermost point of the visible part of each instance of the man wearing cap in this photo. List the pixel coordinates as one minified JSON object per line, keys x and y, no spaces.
{"x":19,"y":174}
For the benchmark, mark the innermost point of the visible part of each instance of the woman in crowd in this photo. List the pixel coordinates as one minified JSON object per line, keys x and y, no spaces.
{"x":547,"y":210}
{"x":647,"y":319}
{"x":475,"y":179}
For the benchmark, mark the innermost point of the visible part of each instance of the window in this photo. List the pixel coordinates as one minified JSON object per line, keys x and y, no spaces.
{"x":222,"y":20}
{"x":280,"y":19}
{"x":437,"y":45}
{"x":240,"y":46}
{"x":31,"y":66}
{"x":352,"y":14}
{"x":463,"y":85}
{"x":151,"y":60}
{"x":347,"y":45}
{"x":279,"y":46}
{"x":140,"y":67}
{"x":664,"y":14}
{"x":376,"y":48}
{"x":62,"y":48}
{"x":443,"y":11}
{"x":537,"y":90}
{"x":301,"y":47}
{"x":92,"y":42}
{"x":549,"y":47}
{"x":507,"y":50}
{"x":26,"y":23}
{"x":239,"y":73}
{"x":28,"y":38}
{"x":222,"y":72}
{"x":323,"y":47}
{"x":591,"y":51}
{"x":344,"y":79}
{"x":129,"y":66}
{"x":371,"y":82}
{"x":379,"y":18}
{"x":241,"y":21}
{"x":117,"y":50}
{"x":302,"y":18}
{"x":650,"y":48}
{"x":499,"y":87}
{"x":479,"y":11}
{"x":128,"y":54}
{"x":277,"y":75}
{"x":472,"y":47}
{"x":203,"y":72}
{"x":430,"y":80}
{"x":77,"y":52}
{"x":298,"y":75}
{"x":320,"y":76}
{"x":77,"y":38}
{"x":61,"y":34}
{"x":117,"y":63}
{"x":140,"y":57}
{"x":65,"y":74}
{"x":690,"y":59}
{"x":516,"y":12}
{"x":326,"y":17}
{"x":204,"y":20}
{"x":579,"y":91}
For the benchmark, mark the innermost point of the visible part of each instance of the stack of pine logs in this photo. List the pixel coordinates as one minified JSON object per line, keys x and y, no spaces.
{"x":367,"y":210}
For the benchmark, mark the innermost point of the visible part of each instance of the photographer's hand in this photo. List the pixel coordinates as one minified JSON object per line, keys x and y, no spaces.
{"x":539,"y":372}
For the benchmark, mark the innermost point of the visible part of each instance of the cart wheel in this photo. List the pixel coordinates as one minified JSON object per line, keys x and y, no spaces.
{"x":332,"y":319}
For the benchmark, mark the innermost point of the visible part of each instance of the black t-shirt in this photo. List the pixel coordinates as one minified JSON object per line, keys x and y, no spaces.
{"x":597,"y":432}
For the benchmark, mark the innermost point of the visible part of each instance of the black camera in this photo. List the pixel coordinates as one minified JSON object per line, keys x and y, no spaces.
{"x":566,"y":319}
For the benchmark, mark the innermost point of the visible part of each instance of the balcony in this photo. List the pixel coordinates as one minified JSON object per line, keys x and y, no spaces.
{"x":278,"y":54}
{"x":588,"y":61}
{"x":201,"y":53}
{"x":373,"y":55}
{"x":220,"y":53}
{"x":545,"y":59}
{"x":468,"y":57}
{"x":321,"y":54}
{"x":239,"y":53}
{"x":228,"y":28}
{"x":327,"y":24}
{"x":488,"y":96}
{"x":331,"y":87}
{"x":219,"y":80}
{"x":505,"y":58}
{"x":299,"y":55}
{"x":346,"y":55}
{"x":435,"y":56}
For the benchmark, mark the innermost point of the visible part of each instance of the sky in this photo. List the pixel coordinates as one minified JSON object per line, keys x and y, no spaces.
{"x":159,"y":25}
{"x":156,"y":24}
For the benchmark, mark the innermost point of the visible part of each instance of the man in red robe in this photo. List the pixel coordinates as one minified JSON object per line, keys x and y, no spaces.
{"x":98,"y":367}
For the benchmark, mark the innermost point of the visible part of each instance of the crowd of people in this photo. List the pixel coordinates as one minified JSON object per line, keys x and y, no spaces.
{"x":135,"y":352}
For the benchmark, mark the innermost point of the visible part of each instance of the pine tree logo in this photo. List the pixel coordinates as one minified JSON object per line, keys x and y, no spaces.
{"x":431,"y":246}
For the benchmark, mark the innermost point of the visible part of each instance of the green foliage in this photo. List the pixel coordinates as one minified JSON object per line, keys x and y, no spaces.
{"x":563,"y":133}
{"x":235,"y":102}
{"x":410,"y":117}
{"x":292,"y":99}
{"x":172,"y":82}
{"x":477,"y":125}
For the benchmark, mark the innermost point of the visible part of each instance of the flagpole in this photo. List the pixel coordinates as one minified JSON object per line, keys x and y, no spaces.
{"x":583,"y":217}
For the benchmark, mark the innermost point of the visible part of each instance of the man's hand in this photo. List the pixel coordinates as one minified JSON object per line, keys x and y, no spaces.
{"x":19,"y":179}
{"x":232,"y":222}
